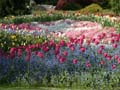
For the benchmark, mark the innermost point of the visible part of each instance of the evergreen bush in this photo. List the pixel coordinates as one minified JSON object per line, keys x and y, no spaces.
{"x":14,"y":7}
{"x":115,"y":5}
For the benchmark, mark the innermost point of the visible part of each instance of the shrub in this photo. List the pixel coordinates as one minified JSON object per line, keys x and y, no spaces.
{"x":115,"y":5}
{"x":71,"y":6}
{"x":93,"y":8}
{"x":14,"y":7}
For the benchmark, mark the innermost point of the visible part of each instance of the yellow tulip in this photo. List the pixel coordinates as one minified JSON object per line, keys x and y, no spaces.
{"x":13,"y":36}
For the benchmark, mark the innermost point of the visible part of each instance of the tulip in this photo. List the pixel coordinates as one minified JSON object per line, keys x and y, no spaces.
{"x":116,"y":56}
{"x":102,"y":47}
{"x":19,"y":53}
{"x":62,"y":60}
{"x":65,"y":53}
{"x":12,"y":50}
{"x":74,"y":61}
{"x":113,"y":66}
{"x":114,"y":46}
{"x":72,"y":48}
{"x":102,"y":62}
{"x":39,"y":54}
{"x":105,"y":54}
{"x":27,"y":58}
{"x":99,"y":51}
{"x":109,"y":57}
{"x":118,"y":60}
{"x":87,"y":64}
{"x":82,"y":49}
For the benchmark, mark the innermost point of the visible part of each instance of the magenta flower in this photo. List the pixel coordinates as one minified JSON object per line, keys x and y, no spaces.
{"x":114,"y":46}
{"x":118,"y":60}
{"x":82,"y":49}
{"x":40,"y":55}
{"x":102,"y":62}
{"x":27,"y":58}
{"x":62,"y":60}
{"x":116,"y":56}
{"x":99,"y":51}
{"x":12,"y":50}
{"x":109,"y":57}
{"x":74,"y":61}
{"x":102,"y":47}
{"x":87,"y":64}
{"x":96,"y":41}
{"x":105,"y":54}
{"x":113,"y":66}
{"x":72,"y":48}
{"x":62,"y":43}
{"x":19,"y":52}
{"x":65,"y":53}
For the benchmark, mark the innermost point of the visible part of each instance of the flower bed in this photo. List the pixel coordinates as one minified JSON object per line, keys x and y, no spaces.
{"x":55,"y":53}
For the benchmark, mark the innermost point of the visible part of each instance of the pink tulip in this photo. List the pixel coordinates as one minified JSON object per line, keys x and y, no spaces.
{"x":65,"y":53}
{"x":116,"y":56}
{"x":99,"y":51}
{"x":82,"y":49}
{"x":62,"y":60}
{"x":45,"y":49}
{"x":88,"y":42}
{"x":19,"y":53}
{"x":27,"y":58}
{"x":105,"y":54}
{"x":72,"y":48}
{"x":114,"y":46}
{"x":87,"y":64}
{"x":102,"y":62}
{"x":12,"y":50}
{"x":109,"y":57}
{"x":113,"y":66}
{"x":118,"y":60}
{"x":62,"y":43}
{"x":74,"y":61}
{"x":102,"y":47}
{"x":40,"y":55}
{"x":52,"y":43}
{"x":112,"y":41}
{"x":96,"y":41}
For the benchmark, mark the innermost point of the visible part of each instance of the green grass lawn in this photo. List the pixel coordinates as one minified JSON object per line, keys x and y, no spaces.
{"x":42,"y":88}
{"x":50,"y":88}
